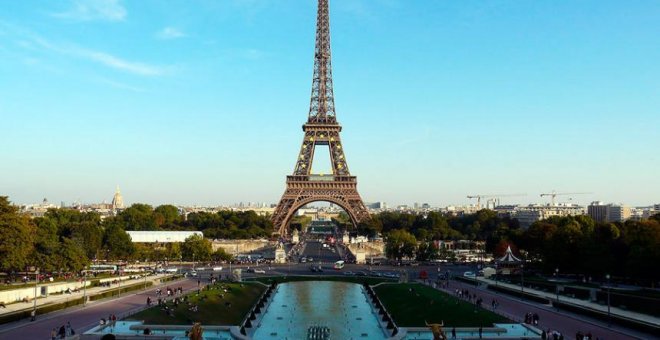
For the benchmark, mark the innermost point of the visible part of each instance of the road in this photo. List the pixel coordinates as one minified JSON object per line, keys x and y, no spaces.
{"x":84,"y":318}
{"x":315,"y":250}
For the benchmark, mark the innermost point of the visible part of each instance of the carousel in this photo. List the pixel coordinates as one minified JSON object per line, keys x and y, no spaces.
{"x":508,"y":264}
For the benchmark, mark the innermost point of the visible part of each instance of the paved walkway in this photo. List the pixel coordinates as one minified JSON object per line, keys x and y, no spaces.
{"x":549,"y":318}
{"x":584,"y":303}
{"x":61,"y":298}
{"x":84,"y":318}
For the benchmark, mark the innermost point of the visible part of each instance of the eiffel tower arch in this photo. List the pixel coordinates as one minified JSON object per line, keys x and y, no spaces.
{"x":321,"y":129}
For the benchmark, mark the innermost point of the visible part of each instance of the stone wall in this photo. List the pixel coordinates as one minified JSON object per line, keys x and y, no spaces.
{"x":16,"y":295}
{"x":241,"y":246}
{"x":371,"y":249}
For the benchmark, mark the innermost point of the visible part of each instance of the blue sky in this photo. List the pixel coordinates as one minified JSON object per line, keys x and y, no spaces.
{"x":201,"y":102}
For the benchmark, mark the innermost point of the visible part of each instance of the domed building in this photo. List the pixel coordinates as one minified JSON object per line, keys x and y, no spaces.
{"x":117,"y":201}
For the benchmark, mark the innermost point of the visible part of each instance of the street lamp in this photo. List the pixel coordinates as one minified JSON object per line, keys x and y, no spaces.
{"x":522,"y":279}
{"x":34,"y":307}
{"x":557,"y":284}
{"x":84,"y":287}
{"x":609,"y":316}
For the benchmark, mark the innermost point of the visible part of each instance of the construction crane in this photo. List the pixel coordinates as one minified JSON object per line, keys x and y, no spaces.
{"x":479,"y":197}
{"x":554,"y":194}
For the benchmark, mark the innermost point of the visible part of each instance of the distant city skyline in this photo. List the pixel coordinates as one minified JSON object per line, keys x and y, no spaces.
{"x":201,"y":103}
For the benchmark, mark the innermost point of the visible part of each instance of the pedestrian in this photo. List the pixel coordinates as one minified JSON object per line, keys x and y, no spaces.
{"x":53,"y":333}
{"x":33,"y":315}
{"x":453,"y":333}
{"x":68,"y":329}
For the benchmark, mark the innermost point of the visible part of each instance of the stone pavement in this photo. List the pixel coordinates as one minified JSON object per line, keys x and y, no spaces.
{"x":584,"y":303}
{"x":84,"y":318}
{"x":61,"y":298}
{"x":566,"y":323}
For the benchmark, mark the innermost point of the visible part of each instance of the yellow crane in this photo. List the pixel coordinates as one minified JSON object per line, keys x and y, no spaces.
{"x":554,"y":194}
{"x":479,"y":197}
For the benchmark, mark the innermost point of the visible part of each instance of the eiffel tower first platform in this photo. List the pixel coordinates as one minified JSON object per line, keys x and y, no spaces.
{"x":322,"y":128}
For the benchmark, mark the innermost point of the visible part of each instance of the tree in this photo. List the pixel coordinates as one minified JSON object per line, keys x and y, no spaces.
{"x":117,"y":243}
{"x":17,"y":234}
{"x":71,"y":256}
{"x":427,"y":251}
{"x":89,"y":236}
{"x":221,"y":255}
{"x":46,"y":244}
{"x":167,"y":216}
{"x":196,"y":247}
{"x":138,"y":217}
{"x":400,"y":244}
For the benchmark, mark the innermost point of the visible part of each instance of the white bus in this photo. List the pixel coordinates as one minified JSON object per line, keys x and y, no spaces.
{"x":339,"y":265}
{"x":103,"y":268}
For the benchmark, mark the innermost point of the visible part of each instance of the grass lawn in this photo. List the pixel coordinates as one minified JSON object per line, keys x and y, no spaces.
{"x":353,"y":279}
{"x":411,"y":309}
{"x":212,"y":309}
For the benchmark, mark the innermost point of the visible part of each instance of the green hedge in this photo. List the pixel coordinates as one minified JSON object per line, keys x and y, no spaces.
{"x":40,"y":310}
{"x":641,"y":304}
{"x":468,"y":280}
{"x":518,"y":293}
{"x":171,"y":278}
{"x":118,"y":291}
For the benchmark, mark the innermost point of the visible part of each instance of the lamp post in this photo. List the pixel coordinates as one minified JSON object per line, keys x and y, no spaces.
{"x":119,"y":271}
{"x":36,"y":283}
{"x":609,"y":316}
{"x":557,"y":285}
{"x":84,"y":287}
{"x":522,"y":279}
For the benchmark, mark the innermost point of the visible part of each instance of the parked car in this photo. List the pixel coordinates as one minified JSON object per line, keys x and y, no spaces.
{"x":470,"y":274}
{"x":259,"y":271}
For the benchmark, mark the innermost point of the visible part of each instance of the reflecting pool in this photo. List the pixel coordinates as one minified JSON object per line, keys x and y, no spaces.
{"x":340,"y":307}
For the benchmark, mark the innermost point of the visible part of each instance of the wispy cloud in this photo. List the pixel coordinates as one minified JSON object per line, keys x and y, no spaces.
{"x":33,"y":41}
{"x":88,"y":10}
{"x":168,"y":33}
{"x":120,"y":64}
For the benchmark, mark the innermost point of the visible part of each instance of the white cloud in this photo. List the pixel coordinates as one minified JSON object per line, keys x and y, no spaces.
{"x":170,"y":33}
{"x":121,"y":64}
{"x":88,"y":10}
{"x":99,"y":57}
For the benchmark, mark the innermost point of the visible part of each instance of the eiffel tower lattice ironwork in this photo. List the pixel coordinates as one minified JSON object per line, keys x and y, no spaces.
{"x":304,"y":187}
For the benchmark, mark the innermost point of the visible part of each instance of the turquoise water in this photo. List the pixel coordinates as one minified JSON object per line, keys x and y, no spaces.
{"x":340,"y":306}
{"x":124,"y":328}
{"x":512,"y":331}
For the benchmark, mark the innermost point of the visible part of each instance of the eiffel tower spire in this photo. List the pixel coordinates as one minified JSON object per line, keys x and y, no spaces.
{"x":322,"y":105}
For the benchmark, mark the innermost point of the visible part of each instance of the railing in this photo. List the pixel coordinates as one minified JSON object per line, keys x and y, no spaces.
{"x":321,"y":178}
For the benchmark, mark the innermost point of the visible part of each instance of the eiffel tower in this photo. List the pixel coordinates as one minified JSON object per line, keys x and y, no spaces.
{"x":322,"y":128}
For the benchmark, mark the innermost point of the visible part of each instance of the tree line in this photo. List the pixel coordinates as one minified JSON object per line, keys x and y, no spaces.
{"x":572,"y":244}
{"x":67,"y":240}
